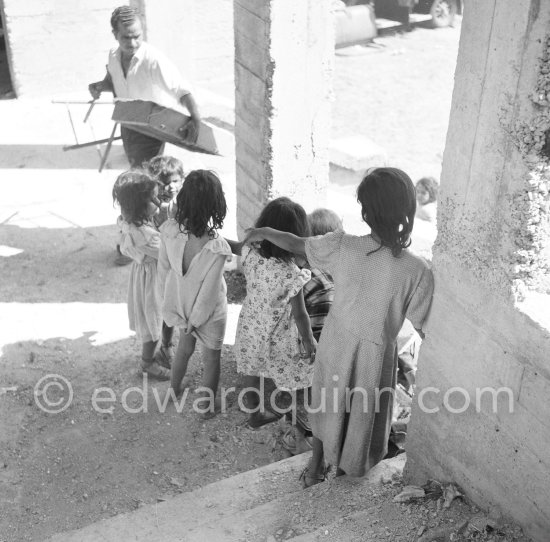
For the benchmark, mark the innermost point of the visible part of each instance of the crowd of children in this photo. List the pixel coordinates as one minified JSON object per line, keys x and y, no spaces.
{"x":322,"y":311}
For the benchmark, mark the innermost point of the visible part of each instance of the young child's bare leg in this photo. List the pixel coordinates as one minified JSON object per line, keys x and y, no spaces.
{"x":167,"y":335}
{"x":211,"y":374}
{"x":251,"y":399}
{"x":148,"y":363}
{"x":148,"y":350}
{"x":165,"y":355}
{"x":314,"y":473}
{"x":254,"y":401}
{"x":210,"y":379}
{"x":186,"y":347}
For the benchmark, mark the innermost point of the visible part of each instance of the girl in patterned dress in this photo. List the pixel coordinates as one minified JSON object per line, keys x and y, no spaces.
{"x":137,"y":195}
{"x":377,"y":284}
{"x":274,"y":336}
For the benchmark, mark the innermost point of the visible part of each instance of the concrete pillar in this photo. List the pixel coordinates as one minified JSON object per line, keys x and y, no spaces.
{"x":170,"y":26}
{"x":283,"y":68}
{"x":489,"y":324}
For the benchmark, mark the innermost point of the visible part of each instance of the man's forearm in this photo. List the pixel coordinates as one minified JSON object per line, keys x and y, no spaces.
{"x":107,"y":83}
{"x":189,"y":102}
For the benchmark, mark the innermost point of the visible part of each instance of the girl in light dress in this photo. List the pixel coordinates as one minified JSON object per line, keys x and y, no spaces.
{"x":137,"y":194}
{"x":169,"y":174}
{"x":426,"y":198}
{"x":274,"y":337}
{"x":191,"y":264}
{"x":377,"y":284}
{"x":318,"y":297}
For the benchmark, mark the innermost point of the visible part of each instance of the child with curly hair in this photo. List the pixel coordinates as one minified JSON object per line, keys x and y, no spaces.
{"x":137,"y":195}
{"x":191,"y":263}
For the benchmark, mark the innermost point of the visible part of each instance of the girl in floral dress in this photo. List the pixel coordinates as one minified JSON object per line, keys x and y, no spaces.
{"x":274,"y":337}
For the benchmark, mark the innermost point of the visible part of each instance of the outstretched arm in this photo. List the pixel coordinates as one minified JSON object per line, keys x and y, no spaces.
{"x":284,"y":240}
{"x":236,"y":246}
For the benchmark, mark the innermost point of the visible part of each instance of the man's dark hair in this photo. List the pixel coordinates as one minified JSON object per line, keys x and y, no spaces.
{"x":125,"y":15}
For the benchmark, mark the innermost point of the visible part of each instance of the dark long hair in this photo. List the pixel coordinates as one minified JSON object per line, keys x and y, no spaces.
{"x":133,"y":190}
{"x":201,"y":204}
{"x":388,"y":204}
{"x":282,"y":214}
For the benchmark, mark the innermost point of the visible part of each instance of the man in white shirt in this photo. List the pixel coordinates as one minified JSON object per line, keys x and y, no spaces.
{"x":138,"y":71}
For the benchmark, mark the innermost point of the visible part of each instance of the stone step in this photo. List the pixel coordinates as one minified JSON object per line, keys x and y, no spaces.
{"x":169,"y":520}
{"x":262,"y":504}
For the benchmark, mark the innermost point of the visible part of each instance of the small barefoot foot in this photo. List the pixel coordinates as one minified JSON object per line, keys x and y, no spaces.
{"x":178,"y":393}
{"x":165,"y":355}
{"x":208,"y":406}
{"x":154,"y":370}
{"x":309,"y":479}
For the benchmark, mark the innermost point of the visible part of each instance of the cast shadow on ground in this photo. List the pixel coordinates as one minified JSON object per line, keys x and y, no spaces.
{"x":54,"y":157}
{"x":62,"y":265}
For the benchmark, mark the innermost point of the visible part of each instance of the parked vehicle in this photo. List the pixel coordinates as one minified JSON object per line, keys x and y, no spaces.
{"x":442,"y":12}
{"x":359,"y":21}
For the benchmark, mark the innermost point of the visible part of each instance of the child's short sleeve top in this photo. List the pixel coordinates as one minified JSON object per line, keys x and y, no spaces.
{"x":323,"y":251}
{"x":141,"y":243}
{"x":277,"y":281}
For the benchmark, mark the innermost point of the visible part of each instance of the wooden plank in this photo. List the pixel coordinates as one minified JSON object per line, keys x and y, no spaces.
{"x":163,"y":123}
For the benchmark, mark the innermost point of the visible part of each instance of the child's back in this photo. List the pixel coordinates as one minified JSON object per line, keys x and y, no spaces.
{"x":191,"y":275}
{"x":380,"y":287}
{"x":266,"y":342}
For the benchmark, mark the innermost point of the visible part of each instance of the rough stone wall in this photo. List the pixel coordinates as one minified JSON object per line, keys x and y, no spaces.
{"x":57,"y":46}
{"x":490,"y":250}
{"x":283,"y":70}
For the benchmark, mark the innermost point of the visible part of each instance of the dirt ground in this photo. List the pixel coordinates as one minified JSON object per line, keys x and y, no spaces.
{"x":63,"y":471}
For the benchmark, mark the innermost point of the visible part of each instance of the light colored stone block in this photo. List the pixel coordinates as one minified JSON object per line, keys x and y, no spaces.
{"x":356,"y":153}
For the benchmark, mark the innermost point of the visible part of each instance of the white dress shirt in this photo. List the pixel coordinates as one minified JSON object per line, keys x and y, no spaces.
{"x":151,"y":77}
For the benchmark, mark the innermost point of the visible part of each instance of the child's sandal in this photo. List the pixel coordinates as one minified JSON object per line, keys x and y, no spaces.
{"x":309,"y":480}
{"x":154,"y":370}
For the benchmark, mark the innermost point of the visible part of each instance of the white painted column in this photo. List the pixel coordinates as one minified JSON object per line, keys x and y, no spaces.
{"x":283,"y":69}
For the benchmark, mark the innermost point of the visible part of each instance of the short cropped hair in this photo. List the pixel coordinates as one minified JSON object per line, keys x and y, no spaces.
{"x":322,"y":221}
{"x":163,"y":167}
{"x":125,"y":15}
